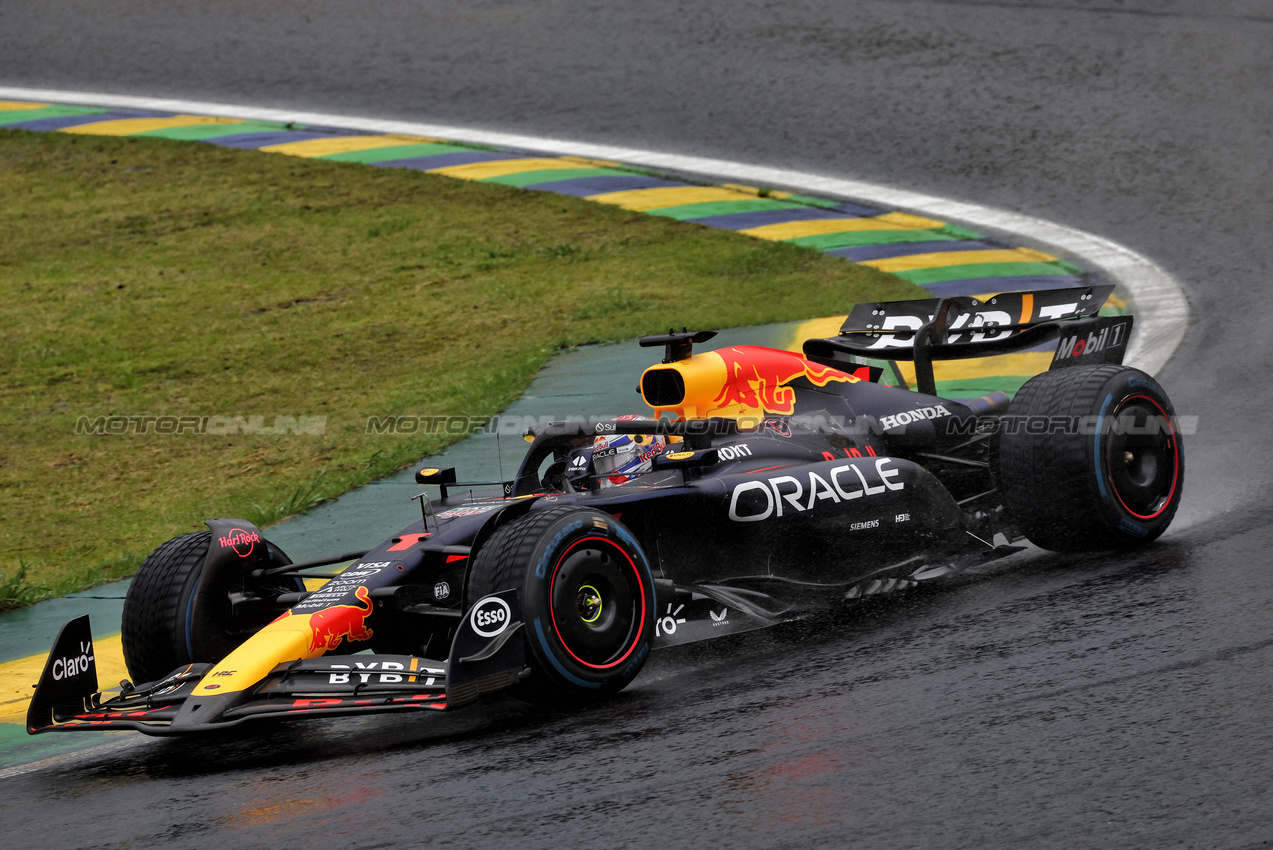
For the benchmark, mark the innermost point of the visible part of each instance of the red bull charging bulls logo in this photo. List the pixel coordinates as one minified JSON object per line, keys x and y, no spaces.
{"x":329,"y":626}
{"x":758,"y":377}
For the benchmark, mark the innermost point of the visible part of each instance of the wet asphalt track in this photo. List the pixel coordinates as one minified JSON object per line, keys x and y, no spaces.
{"x":1103,"y":701}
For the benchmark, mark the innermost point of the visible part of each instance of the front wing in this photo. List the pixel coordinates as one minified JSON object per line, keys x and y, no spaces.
{"x":67,"y":697}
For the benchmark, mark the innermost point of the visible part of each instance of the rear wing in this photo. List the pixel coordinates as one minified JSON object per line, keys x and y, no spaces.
{"x":960,"y":327}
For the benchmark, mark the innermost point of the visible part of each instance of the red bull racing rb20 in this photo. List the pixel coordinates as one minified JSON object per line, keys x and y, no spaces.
{"x":764,"y":485}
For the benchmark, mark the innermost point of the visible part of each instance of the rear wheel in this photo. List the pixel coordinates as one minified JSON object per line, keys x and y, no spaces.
{"x":1090,"y":458}
{"x":587,"y":597}
{"x":175,"y":615}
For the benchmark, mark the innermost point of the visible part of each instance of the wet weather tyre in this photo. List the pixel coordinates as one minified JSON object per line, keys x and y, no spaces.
{"x":1091,"y":458}
{"x":176,"y":615}
{"x":587,"y":596}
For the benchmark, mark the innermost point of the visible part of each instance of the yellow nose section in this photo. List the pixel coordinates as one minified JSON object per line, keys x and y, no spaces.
{"x":286,"y":639}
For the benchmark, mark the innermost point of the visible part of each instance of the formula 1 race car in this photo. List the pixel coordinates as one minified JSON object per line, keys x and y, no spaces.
{"x":766,"y":485}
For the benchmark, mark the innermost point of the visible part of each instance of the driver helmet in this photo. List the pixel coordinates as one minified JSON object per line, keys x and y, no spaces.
{"x":619,"y":458}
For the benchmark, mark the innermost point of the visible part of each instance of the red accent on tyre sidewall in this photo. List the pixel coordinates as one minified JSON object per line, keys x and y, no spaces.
{"x":1175,"y":460}
{"x":636,"y":641}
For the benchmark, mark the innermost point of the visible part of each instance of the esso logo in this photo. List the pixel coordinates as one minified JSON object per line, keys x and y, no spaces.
{"x":490,"y":617}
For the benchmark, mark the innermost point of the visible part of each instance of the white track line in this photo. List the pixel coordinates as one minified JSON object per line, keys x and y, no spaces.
{"x":1162,"y":312}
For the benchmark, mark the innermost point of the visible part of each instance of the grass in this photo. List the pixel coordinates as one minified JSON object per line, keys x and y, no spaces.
{"x":142,"y":277}
{"x":17,"y":592}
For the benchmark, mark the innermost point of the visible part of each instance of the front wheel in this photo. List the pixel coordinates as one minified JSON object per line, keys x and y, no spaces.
{"x":1090,"y":458}
{"x":587,"y":598}
{"x":178,"y":613}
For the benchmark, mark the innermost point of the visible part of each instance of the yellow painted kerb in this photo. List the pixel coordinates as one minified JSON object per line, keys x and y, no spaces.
{"x":504,"y":167}
{"x":914,"y":262}
{"x":130,"y":126}
{"x":643,"y":200}
{"x":823,"y":226}
{"x":345,"y":144}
